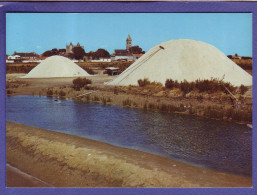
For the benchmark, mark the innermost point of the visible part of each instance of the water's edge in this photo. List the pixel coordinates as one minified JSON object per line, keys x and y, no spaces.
{"x":169,"y":144}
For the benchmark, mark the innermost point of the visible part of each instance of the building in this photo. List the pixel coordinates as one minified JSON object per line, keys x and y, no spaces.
{"x":112,"y":71}
{"x":127,"y":54}
{"x":32,"y":56}
{"x":128,"y":43}
{"x":13,"y":58}
{"x":42,"y":57}
{"x":137,"y":56}
{"x":70,"y":47}
{"x":122,"y":55}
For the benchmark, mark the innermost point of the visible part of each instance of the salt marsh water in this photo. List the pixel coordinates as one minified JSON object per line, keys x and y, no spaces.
{"x":217,"y":145}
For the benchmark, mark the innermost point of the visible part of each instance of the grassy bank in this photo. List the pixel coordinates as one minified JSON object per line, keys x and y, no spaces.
{"x":206,"y":105}
{"x":214,"y":104}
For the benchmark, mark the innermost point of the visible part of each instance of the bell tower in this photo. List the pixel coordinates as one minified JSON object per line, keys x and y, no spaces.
{"x":128,"y":43}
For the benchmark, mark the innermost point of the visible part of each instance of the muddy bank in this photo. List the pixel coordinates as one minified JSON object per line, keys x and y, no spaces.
{"x":64,"y":160}
{"x":17,"y":178}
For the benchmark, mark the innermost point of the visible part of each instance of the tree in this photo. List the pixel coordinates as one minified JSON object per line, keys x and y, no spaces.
{"x":78,"y":52}
{"x":55,"y":51}
{"x":47,"y":53}
{"x":136,"y":50}
{"x":70,"y":55}
{"x":100,"y":53}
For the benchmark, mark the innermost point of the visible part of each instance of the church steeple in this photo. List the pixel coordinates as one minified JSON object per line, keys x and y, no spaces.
{"x":128,"y":42}
{"x":129,"y":38}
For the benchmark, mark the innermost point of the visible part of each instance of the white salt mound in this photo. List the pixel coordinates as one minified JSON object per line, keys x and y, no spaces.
{"x":183,"y":60}
{"x":56,"y":66}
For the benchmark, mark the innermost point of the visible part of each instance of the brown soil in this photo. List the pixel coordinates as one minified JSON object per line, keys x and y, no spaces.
{"x":16,"y":178}
{"x":64,"y":160}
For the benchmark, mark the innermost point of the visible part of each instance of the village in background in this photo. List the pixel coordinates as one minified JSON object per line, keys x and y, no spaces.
{"x":22,"y":62}
{"x":209,"y":122}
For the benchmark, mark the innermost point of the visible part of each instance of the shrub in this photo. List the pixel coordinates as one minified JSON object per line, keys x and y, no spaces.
{"x":210,"y":86}
{"x":199,"y":98}
{"x":164,"y":107}
{"x":87,"y":98}
{"x":127,"y":102}
{"x":78,"y":83}
{"x":242,"y":89}
{"x":145,"y":106}
{"x":186,"y":87}
{"x":104,"y":101}
{"x":62,"y":93}
{"x":143,"y":82}
{"x":151,"y":106}
{"x":230,"y":87}
{"x":169,"y":83}
{"x":96,"y":98}
{"x":49,"y":93}
{"x":116,"y":91}
{"x":182,"y":108}
{"x":109,"y":99}
{"x":9,"y":92}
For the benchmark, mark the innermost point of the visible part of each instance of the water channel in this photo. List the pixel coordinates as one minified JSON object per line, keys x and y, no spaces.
{"x":218,"y":145}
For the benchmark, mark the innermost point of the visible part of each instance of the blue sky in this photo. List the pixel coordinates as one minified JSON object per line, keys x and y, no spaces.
{"x":38,"y":32}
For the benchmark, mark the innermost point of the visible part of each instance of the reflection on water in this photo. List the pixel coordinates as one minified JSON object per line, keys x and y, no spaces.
{"x":219,"y":145}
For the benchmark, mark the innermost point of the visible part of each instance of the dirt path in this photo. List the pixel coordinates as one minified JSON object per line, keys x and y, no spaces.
{"x":64,"y":160}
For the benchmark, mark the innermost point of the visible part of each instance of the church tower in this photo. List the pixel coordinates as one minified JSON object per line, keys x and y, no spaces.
{"x":128,"y":43}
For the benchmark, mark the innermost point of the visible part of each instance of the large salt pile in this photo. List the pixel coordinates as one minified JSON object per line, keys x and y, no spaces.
{"x":56,"y":66}
{"x":183,"y":60}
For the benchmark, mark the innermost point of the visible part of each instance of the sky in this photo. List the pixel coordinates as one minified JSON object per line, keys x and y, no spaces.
{"x":37,"y":32}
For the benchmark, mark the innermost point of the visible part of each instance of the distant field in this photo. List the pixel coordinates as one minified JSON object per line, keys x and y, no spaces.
{"x":246,"y":64}
{"x":26,"y":67}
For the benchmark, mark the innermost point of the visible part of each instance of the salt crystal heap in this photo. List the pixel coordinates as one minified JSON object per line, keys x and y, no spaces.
{"x":56,"y":66}
{"x":183,"y":60}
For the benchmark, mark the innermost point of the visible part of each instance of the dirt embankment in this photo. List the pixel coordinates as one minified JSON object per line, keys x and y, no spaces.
{"x":64,"y":160}
{"x":153,"y":98}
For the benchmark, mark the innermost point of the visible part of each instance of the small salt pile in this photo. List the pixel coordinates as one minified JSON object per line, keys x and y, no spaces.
{"x":56,"y":66}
